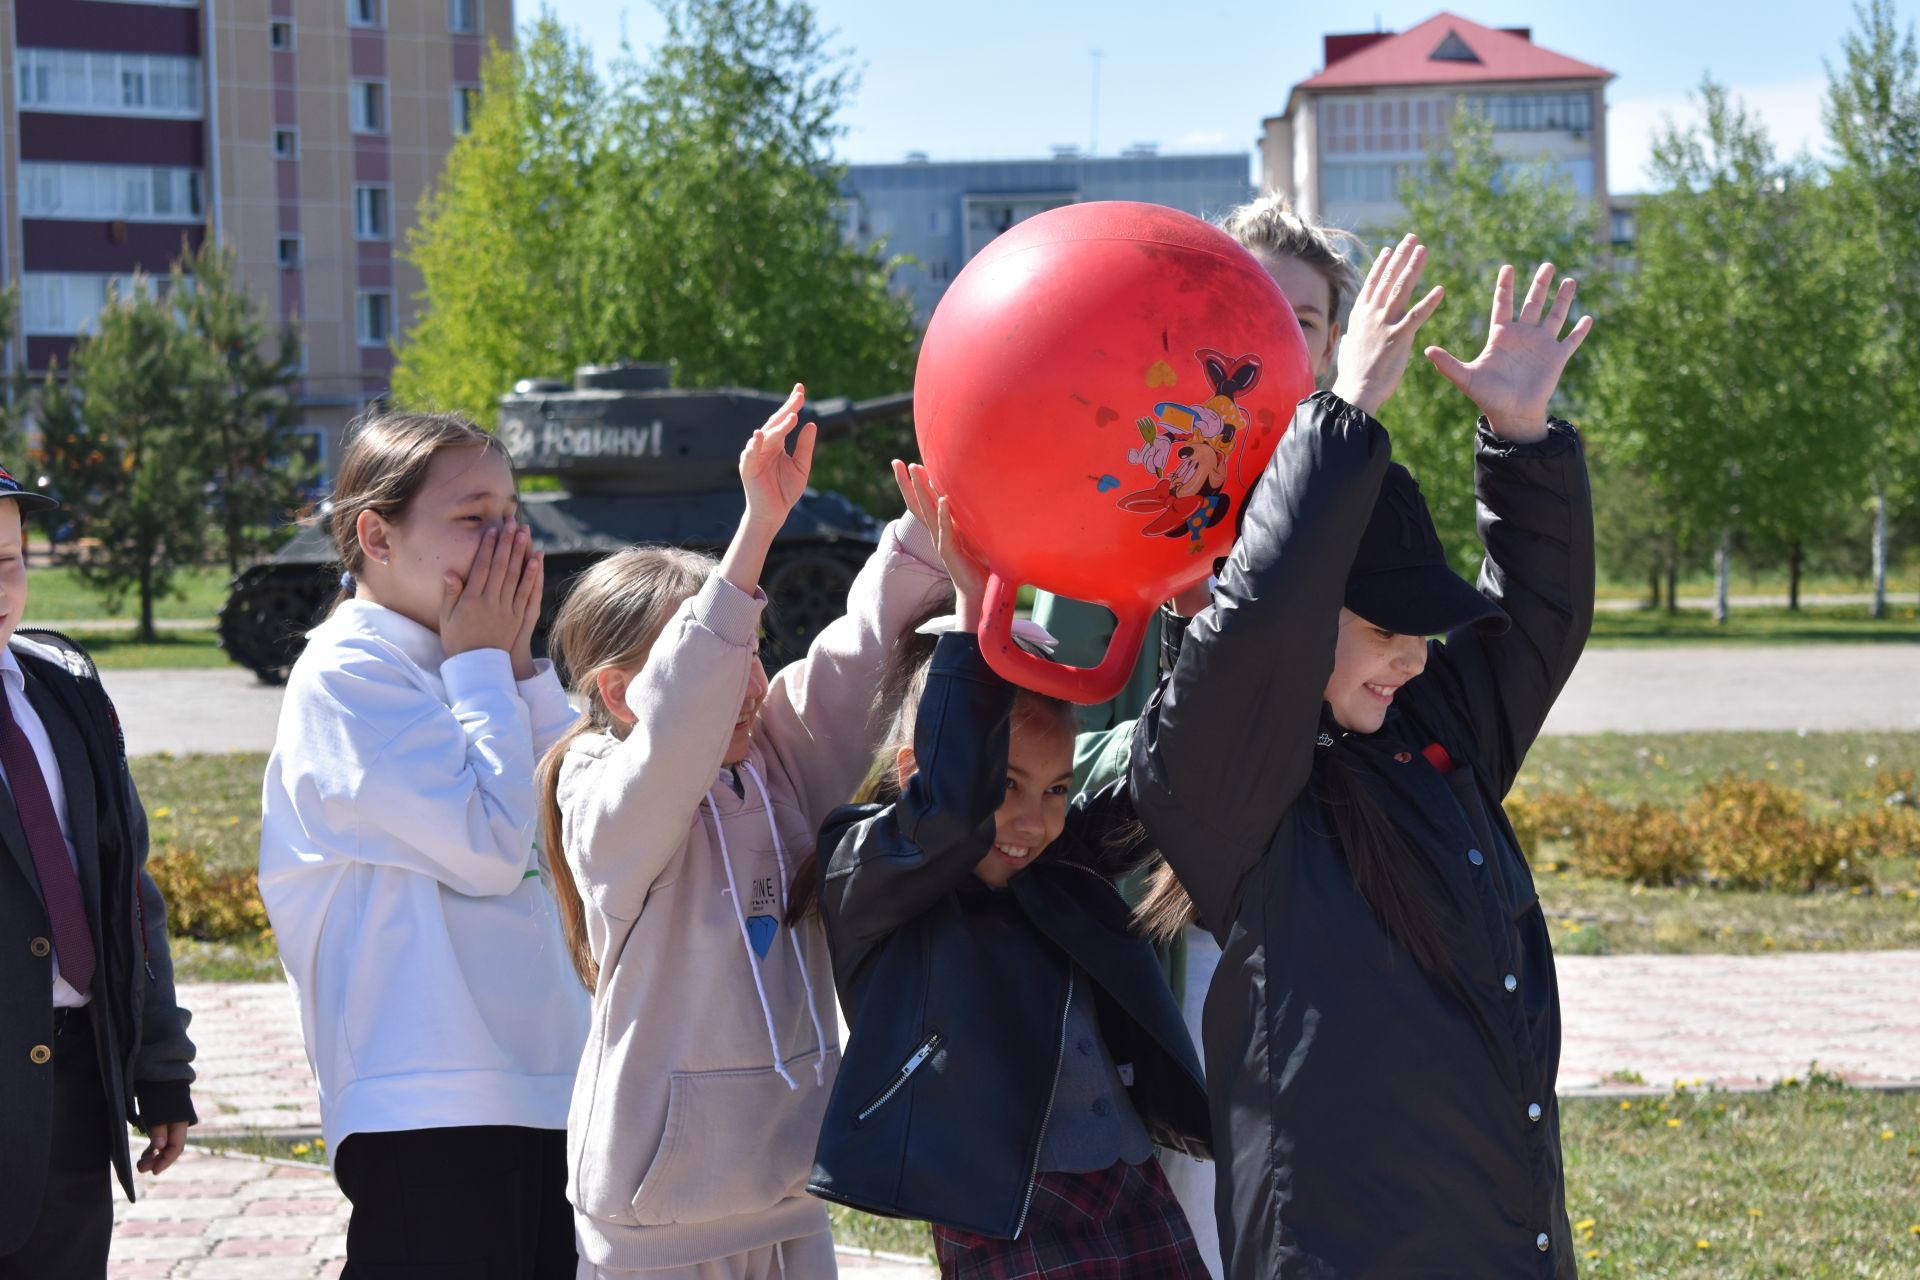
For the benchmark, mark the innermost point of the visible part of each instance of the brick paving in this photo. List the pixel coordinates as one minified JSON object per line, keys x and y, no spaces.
{"x":1729,"y":1021}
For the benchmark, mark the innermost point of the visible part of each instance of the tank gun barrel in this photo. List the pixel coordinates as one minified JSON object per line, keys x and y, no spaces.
{"x":838,"y":417}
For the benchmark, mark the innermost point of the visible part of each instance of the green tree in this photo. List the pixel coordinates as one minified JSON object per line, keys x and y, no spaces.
{"x":15,"y":397}
{"x":1710,"y":387}
{"x":685,"y":208}
{"x":1872,"y":117}
{"x":123,"y":441}
{"x":1476,"y":210}
{"x":259,"y":472}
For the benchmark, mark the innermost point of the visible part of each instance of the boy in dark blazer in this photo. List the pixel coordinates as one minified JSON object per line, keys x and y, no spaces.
{"x":90,"y":1037}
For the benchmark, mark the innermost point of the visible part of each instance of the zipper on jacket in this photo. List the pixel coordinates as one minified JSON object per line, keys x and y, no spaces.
{"x":905,"y":1072}
{"x":1046,"y":1117}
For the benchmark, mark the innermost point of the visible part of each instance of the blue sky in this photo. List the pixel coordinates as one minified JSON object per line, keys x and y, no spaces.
{"x":1005,"y":78}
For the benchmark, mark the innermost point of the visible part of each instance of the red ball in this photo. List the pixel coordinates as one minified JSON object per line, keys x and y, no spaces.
{"x":1096,"y":393}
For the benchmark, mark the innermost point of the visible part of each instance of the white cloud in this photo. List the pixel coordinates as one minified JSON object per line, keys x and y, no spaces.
{"x":1790,"y":110}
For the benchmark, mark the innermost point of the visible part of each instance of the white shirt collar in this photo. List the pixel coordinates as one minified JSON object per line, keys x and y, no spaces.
{"x":14,"y":678}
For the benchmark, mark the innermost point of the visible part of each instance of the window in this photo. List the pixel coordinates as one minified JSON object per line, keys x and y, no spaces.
{"x":988,"y":216}
{"x":289,"y":251}
{"x":280,"y":36}
{"x":119,"y":84}
{"x":1402,"y":126}
{"x":63,"y":304}
{"x":369,"y":106}
{"x":286,"y":144}
{"x":1362,"y":183}
{"x":466,"y":100}
{"x":107,"y":191}
{"x":463,"y":18}
{"x":370,"y":220}
{"x":1536,"y":112}
{"x":366,"y":13}
{"x":374,"y":317}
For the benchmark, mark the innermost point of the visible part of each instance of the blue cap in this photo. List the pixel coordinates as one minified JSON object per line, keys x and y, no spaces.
{"x":27,"y":498}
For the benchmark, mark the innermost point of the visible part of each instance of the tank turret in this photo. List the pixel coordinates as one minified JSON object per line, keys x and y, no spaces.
{"x":636,"y":461}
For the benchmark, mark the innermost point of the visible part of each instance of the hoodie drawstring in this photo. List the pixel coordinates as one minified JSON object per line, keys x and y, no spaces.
{"x":793,"y":935}
{"x":746,"y":939}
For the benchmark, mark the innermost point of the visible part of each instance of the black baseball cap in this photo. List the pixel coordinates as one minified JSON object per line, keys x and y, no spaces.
{"x":27,"y":498}
{"x":1401,"y":579}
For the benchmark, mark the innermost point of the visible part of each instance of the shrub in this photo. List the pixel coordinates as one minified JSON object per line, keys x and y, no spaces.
{"x":1752,"y":833}
{"x":213,"y":906}
{"x":1647,"y":844}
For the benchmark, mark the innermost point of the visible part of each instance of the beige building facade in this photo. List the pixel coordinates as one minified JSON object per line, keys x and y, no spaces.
{"x":1384,"y":100}
{"x":302,"y":133}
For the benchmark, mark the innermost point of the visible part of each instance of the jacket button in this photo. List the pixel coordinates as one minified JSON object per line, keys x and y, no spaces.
{"x":1100,"y":1106}
{"x":40,"y":1055}
{"x":1476,"y":857}
{"x":40,"y":947}
{"x":1540,"y":1242}
{"x":1511,"y":983}
{"x":1533,"y":1112}
{"x":1086,"y":1047}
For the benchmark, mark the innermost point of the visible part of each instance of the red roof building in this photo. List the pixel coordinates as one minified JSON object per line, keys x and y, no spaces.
{"x":1354,"y":129}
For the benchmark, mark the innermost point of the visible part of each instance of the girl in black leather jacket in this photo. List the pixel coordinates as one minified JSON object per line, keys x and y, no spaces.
{"x":1015,"y":1052}
{"x":1383,"y":1028}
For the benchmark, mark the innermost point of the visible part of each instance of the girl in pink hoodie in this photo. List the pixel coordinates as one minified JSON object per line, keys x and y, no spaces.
{"x":683,"y":801}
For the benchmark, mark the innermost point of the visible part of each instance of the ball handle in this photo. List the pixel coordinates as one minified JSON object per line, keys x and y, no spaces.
{"x":1084,"y":685}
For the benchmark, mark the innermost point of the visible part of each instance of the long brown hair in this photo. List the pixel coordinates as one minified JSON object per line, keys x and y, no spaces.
{"x":611,"y":617}
{"x":384,"y":466}
{"x":898,"y":708}
{"x":1387,"y":871}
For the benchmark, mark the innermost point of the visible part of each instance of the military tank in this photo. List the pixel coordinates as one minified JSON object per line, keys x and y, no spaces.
{"x":637,"y":461}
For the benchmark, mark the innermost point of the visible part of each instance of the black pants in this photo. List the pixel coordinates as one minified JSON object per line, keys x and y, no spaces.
{"x":487,"y":1202}
{"x":76,"y":1210}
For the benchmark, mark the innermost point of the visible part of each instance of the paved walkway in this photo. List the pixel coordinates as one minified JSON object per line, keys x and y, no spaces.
{"x":1731,"y":1021}
{"x":1699,"y":687}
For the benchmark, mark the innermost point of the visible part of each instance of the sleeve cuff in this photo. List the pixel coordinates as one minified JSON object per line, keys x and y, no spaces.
{"x":476,"y":671}
{"x":1561,"y":437}
{"x":163,"y":1102}
{"x":727,"y":611}
{"x":916,"y":541}
{"x":957,"y":653}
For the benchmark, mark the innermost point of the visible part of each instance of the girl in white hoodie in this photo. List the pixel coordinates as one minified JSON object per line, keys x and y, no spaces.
{"x":398,"y":868}
{"x":684,"y":801}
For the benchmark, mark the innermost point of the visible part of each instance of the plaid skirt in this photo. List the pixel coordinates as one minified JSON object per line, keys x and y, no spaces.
{"x":1120,"y":1223}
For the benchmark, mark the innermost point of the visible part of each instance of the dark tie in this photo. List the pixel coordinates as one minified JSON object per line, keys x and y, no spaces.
{"x":72,"y":943}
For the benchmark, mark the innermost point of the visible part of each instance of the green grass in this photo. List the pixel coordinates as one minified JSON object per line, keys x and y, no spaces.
{"x":1593,"y":917}
{"x":1823,"y":624}
{"x":266,"y":1146}
{"x":1809,"y":1181}
{"x":1668,"y":768}
{"x":56,"y":593}
{"x":197,"y":961}
{"x":207,"y":803}
{"x":172,"y":650}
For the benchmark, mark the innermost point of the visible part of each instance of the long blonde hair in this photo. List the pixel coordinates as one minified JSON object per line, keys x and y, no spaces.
{"x":612,"y":616}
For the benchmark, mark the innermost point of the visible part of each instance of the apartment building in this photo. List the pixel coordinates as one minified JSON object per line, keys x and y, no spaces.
{"x":941,"y":213}
{"x":300,"y":132}
{"x":1350,"y":132}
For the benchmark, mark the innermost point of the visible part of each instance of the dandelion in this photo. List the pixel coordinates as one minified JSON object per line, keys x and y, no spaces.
{"x":1768,"y":943}
{"x":1702,"y":1244}
{"x":1673,"y":1123}
{"x":1585,"y":1224}
{"x":1755,"y":1213}
{"x":1886,"y":1135}
{"x":301,"y":1149}
{"x":1626,"y":1106}
{"x":1594,"y":1253}
{"x":1772,"y":765}
{"x":163,"y":812}
{"x":1914,"y":1230}
{"x":234,"y":821}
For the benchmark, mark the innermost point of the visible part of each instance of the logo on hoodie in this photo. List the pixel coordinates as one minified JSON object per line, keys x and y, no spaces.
{"x":763,"y":920}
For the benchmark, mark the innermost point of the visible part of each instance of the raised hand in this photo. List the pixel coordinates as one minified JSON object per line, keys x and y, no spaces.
{"x":773,"y":478}
{"x":933,"y":510}
{"x":533,"y":582}
{"x":1513,"y":377}
{"x":487,"y":609}
{"x":1378,"y":339}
